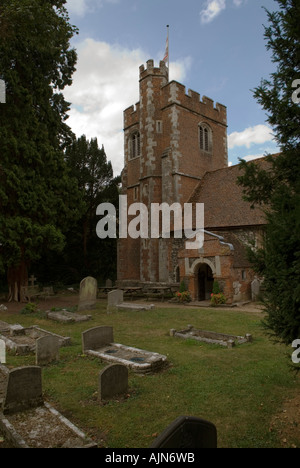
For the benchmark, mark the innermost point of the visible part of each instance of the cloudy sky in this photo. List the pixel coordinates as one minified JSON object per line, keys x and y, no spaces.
{"x":217,"y":48}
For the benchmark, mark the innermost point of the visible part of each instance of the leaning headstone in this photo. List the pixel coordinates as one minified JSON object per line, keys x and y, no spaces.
{"x":114,"y":298}
{"x":47,"y":350}
{"x":88,"y":293}
{"x":24,"y":389}
{"x":113,"y":381}
{"x":255,"y":289}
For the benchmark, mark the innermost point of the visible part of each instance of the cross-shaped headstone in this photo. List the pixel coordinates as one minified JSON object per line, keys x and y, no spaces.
{"x":32,"y":279}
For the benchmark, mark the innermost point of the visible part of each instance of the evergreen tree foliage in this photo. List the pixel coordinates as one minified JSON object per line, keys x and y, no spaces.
{"x":275,"y":185}
{"x":89,"y":164}
{"x":37,"y":195}
{"x":84,"y":253}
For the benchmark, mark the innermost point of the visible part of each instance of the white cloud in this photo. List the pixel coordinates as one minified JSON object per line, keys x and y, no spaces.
{"x":214,"y":7}
{"x":81,"y":7}
{"x":77,"y":7}
{"x":251,"y":157}
{"x":252,"y":135}
{"x":105,"y":84}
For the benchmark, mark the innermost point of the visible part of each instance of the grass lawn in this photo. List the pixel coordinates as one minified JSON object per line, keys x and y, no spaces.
{"x":240,"y":390}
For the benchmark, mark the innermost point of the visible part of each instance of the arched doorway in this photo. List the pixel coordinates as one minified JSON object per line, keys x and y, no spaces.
{"x":205,"y":280}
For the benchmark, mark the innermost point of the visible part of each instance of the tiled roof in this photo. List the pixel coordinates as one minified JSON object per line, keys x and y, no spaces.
{"x":223,"y":200}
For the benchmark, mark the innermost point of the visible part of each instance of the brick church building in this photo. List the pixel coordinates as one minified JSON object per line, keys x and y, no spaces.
{"x":176,"y":152}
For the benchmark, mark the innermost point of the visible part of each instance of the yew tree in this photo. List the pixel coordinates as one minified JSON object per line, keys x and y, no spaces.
{"x":276,"y":186}
{"x":37,"y":194}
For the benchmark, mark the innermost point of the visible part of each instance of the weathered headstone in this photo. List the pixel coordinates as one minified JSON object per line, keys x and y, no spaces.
{"x":108,"y":283}
{"x":32,"y":280}
{"x":24,"y":389}
{"x":114,"y":298}
{"x":88,"y":293}
{"x":113,"y":381}
{"x":97,"y":337}
{"x":47,"y":350}
{"x":2,"y":352}
{"x":187,"y":432}
{"x":255,"y":289}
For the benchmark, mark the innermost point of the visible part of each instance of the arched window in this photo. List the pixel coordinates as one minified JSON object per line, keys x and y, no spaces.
{"x":205,"y":138}
{"x":135,"y":145}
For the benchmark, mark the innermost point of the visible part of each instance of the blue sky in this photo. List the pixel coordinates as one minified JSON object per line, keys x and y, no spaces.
{"x":217,"y":48}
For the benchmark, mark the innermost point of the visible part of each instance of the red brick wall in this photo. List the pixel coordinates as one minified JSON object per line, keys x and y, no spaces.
{"x":171,"y":162}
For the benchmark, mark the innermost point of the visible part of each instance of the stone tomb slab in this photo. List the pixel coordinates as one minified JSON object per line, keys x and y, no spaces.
{"x":98,"y":342}
{"x":23,"y":340}
{"x":221,"y":339}
{"x":63,"y":316}
{"x":27,"y":421}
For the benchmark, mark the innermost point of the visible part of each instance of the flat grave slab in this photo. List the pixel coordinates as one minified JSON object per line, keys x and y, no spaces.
{"x":23,"y":340}
{"x":221,"y":339}
{"x":132,"y":307}
{"x":98,"y":342}
{"x":64,"y":316}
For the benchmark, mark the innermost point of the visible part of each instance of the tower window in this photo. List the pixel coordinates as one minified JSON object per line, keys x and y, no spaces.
{"x":205,"y":138}
{"x":158,"y":126}
{"x":135,"y":145}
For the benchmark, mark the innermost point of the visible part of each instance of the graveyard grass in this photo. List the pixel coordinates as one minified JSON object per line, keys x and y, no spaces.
{"x":240,"y":390}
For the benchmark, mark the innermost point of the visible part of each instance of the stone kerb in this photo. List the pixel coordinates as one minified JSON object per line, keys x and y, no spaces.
{"x":88,"y":293}
{"x":97,"y":337}
{"x":113,"y":381}
{"x":47,"y":350}
{"x":23,"y":390}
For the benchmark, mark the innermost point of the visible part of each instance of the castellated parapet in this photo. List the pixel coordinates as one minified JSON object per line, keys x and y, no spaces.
{"x":175,"y":93}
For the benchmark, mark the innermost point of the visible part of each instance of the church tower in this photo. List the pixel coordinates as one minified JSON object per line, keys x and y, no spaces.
{"x":171,"y":139}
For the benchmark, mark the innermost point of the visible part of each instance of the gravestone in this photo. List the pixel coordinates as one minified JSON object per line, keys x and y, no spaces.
{"x":32,"y":280}
{"x":108,"y":283}
{"x":114,"y":298}
{"x":88,"y":293}
{"x":97,"y":337}
{"x":24,"y":389}
{"x":2,"y":352}
{"x":255,"y":289}
{"x":187,"y":432}
{"x":113,"y":381}
{"x":29,"y":422}
{"x":47,"y":350}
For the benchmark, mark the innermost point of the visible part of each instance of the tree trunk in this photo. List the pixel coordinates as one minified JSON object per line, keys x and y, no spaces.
{"x":17,"y":279}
